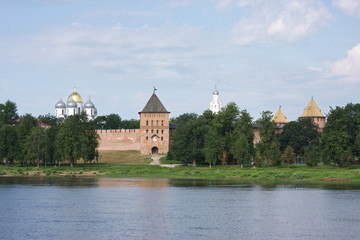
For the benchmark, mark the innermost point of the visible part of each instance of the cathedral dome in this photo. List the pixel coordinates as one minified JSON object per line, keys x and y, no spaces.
{"x":71,"y":103}
{"x":75,"y":96}
{"x":60,"y":104}
{"x":89,"y":104}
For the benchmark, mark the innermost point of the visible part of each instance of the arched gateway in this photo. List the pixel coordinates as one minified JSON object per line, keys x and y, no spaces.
{"x":154,"y":150}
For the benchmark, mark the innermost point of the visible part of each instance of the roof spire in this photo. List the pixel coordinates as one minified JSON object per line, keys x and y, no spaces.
{"x":155,"y":89}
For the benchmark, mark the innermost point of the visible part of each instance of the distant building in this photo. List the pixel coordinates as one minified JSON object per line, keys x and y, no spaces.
{"x":215,"y":103}
{"x":74,"y":106}
{"x":279,"y":118}
{"x":153,"y":137}
{"x":313,"y":111}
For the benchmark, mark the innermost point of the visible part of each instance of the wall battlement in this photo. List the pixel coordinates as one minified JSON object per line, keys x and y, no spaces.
{"x":119,"y":139}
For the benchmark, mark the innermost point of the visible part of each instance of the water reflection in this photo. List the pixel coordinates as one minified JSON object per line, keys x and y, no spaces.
{"x":165,"y":183}
{"x":135,"y":208}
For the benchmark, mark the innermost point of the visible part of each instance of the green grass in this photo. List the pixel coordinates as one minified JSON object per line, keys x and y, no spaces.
{"x":123,"y":157}
{"x":296,"y":172}
{"x":164,"y":160}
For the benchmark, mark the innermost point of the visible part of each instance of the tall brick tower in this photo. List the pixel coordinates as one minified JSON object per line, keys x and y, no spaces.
{"x":313,"y":111}
{"x":154,"y":127}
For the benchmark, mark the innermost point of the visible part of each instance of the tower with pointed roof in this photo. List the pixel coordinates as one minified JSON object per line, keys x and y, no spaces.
{"x":279,"y":118}
{"x":215,"y":103}
{"x":313,"y":111}
{"x":154,"y":127}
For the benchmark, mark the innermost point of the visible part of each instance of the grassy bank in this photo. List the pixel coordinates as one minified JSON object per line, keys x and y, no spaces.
{"x":296,"y":172}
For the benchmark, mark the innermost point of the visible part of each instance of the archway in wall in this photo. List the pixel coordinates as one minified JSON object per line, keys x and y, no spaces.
{"x":154,"y":150}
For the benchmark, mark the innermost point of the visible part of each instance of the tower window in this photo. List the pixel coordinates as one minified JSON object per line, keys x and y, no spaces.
{"x":162,"y":122}
{"x":147,"y":123}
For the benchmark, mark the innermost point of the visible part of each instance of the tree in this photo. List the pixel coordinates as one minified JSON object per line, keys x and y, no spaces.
{"x":130,"y":124}
{"x":243,"y":139}
{"x":288,"y":155}
{"x":241,"y":150}
{"x":48,"y":119}
{"x":76,"y":139}
{"x":213,"y":147}
{"x":113,"y":121}
{"x":8,"y":113}
{"x":35,"y":145}
{"x":8,"y":144}
{"x":298,"y":135}
{"x":268,"y":148}
{"x":224,"y":122}
{"x":312,"y":155}
{"x":27,"y":122}
{"x":340,"y":137}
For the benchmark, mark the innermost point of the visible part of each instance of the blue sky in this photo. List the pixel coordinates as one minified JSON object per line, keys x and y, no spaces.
{"x":260,"y":53}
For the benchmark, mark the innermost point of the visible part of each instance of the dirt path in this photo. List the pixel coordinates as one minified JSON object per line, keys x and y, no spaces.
{"x":155,"y":159}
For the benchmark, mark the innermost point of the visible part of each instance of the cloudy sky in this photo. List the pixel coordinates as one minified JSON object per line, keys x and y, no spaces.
{"x":259,"y":53}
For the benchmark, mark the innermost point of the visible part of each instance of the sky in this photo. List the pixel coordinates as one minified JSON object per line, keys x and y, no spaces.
{"x":260,"y":54}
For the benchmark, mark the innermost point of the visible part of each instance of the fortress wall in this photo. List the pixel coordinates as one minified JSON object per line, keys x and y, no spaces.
{"x":119,"y":139}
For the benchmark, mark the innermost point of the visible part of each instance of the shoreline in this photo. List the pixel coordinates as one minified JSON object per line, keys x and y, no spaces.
{"x":232,"y":173}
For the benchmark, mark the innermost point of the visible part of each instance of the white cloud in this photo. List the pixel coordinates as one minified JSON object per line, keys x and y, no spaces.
{"x":348,"y":68}
{"x":314,"y":69}
{"x":352,"y":7}
{"x":282,"y":21}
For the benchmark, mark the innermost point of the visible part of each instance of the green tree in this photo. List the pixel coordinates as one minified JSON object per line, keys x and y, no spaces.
{"x":130,"y":124}
{"x":268,"y":148}
{"x":189,"y":137}
{"x":241,"y":151}
{"x":243,"y":139}
{"x":8,"y":144}
{"x":113,"y":121}
{"x":48,"y":119}
{"x":76,"y":139}
{"x":288,"y":155}
{"x":312,"y":154}
{"x":340,"y":137}
{"x":225,"y":123}
{"x":298,"y":135}
{"x":213,"y":147}
{"x":8,"y":113}
{"x":35,"y":145}
{"x":27,"y":122}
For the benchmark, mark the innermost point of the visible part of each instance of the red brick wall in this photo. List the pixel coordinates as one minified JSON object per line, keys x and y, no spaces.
{"x":119,"y":139}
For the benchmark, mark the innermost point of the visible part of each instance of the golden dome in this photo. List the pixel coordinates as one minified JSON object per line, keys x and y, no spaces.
{"x":75,"y":96}
{"x":280,"y":117}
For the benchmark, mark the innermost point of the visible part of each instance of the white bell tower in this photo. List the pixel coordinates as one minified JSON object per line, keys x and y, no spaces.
{"x":215,"y":104}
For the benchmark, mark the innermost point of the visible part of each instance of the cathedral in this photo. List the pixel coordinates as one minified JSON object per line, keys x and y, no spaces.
{"x":73,"y":106}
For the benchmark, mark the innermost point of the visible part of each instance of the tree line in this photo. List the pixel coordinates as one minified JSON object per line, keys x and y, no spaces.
{"x":24,"y":141}
{"x":228,"y":138}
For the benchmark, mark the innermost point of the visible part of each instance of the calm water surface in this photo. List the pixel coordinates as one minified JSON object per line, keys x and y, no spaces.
{"x":103,"y":208}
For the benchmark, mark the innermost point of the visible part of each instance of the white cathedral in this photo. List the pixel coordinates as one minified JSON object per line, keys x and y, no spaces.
{"x":215,"y":103}
{"x":73,"y":106}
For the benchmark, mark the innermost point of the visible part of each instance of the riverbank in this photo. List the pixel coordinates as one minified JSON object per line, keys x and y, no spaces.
{"x":295,"y":172}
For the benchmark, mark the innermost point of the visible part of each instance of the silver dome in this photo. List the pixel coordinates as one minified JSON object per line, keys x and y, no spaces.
{"x":60,"y":104}
{"x":71,"y":103}
{"x":89,"y":104}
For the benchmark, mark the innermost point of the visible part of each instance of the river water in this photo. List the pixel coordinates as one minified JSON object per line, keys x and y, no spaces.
{"x":108,"y":208}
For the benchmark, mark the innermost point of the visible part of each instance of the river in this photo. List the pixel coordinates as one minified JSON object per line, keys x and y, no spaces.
{"x":109,"y":208}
